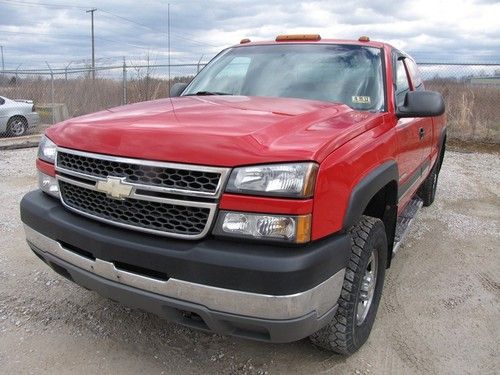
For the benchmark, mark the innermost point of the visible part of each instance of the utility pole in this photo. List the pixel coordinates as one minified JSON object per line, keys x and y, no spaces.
{"x":91,"y":11}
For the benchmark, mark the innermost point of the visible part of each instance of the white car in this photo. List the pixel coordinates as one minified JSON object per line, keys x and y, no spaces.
{"x":17,"y":116}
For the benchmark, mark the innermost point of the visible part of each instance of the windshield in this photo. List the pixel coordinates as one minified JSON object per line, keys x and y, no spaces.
{"x":348,"y":74}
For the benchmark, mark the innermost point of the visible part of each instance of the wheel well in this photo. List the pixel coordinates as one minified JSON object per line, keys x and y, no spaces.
{"x":17,"y":116}
{"x":384,"y":206}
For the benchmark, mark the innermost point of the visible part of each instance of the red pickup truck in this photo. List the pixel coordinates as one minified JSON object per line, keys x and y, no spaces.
{"x":265,"y":199}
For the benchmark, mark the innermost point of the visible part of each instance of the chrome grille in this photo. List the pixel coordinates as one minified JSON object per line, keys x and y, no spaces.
{"x":157,"y":216}
{"x":179,"y":179}
{"x":151,"y":196}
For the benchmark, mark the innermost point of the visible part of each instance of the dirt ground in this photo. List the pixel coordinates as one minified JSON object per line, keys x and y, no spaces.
{"x":440,"y":310}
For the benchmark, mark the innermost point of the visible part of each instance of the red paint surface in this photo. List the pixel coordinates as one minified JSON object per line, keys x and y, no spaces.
{"x":218,"y":131}
{"x":237,"y":130}
{"x":266,"y":205}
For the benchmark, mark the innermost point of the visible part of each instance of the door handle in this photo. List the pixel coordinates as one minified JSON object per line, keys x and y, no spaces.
{"x":421,"y":133}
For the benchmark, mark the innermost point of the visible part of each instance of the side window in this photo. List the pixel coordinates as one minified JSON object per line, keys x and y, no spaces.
{"x":2,"y":101}
{"x":402,"y":84}
{"x":414,"y":74}
{"x":231,"y":78}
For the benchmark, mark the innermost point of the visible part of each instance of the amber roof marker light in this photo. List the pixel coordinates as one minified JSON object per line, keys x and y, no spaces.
{"x":364,"y":38}
{"x":245,"y":41}
{"x":284,"y":38}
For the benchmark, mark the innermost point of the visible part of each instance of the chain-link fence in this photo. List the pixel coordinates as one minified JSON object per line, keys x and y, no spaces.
{"x":472,"y":95}
{"x":471,"y":92}
{"x":58,"y":94}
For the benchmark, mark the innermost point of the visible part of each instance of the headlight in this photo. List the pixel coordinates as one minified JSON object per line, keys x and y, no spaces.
{"x":293,"y":180}
{"x":47,"y":150}
{"x":295,"y":229}
{"x":48,"y":184}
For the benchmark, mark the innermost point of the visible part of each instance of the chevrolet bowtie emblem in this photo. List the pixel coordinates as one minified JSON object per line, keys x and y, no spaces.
{"x":114,"y":187}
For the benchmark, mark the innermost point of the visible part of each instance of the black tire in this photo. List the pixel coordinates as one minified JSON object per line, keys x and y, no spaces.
{"x":17,"y":126}
{"x":427,"y":191}
{"x":345,"y":334}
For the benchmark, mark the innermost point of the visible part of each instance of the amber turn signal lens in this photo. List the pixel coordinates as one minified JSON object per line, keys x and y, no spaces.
{"x":303,"y":231}
{"x":310,"y":181}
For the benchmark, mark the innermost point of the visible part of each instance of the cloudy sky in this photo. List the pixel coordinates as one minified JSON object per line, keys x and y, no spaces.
{"x":58,"y":31}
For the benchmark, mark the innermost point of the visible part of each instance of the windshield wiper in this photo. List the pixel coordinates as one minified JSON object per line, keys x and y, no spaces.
{"x":201,"y":93}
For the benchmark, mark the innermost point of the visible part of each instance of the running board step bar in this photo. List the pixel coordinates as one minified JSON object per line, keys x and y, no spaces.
{"x":404,"y":222}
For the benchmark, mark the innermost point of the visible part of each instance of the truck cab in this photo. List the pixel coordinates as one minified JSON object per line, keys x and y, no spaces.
{"x":264,"y":199}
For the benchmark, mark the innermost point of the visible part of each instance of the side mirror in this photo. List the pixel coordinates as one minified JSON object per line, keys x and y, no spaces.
{"x":177,"y":89}
{"x":421,"y":104}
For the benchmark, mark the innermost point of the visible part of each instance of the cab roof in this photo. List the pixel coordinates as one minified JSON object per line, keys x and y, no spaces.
{"x":312,"y":39}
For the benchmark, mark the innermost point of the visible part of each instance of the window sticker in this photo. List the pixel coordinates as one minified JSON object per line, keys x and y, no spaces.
{"x":361,"y":99}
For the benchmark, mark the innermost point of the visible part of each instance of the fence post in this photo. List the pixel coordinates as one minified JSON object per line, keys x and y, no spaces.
{"x":198,"y":65}
{"x":16,"y":73}
{"x":124,"y":83}
{"x":147,"y":80}
{"x":52,"y":94}
{"x":66,"y":71}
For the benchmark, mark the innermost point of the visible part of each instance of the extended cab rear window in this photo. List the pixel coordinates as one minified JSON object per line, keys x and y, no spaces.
{"x":349,"y":74}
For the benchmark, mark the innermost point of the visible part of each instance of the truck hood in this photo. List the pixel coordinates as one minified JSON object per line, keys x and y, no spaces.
{"x":217,"y":130}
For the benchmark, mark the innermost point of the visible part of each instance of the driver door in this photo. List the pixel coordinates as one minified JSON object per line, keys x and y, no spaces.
{"x":410,"y":133}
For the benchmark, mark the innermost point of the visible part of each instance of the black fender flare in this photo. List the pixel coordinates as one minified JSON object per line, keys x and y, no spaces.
{"x":442,"y":136}
{"x":366,"y":189}
{"x":442,"y":148}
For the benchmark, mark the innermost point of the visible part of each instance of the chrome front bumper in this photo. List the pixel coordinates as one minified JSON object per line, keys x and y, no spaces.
{"x":319,"y":300}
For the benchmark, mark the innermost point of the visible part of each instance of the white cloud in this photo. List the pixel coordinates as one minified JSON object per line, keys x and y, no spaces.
{"x":431,"y":30}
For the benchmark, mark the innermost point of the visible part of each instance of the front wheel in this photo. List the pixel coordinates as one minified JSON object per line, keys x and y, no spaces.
{"x":16,"y":126}
{"x":361,"y":291}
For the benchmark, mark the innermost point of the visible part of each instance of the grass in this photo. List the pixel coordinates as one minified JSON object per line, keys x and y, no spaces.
{"x":472,"y":111}
{"x":84,"y":95}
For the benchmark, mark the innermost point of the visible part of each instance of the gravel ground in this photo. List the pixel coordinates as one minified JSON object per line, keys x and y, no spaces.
{"x":439,"y":311}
